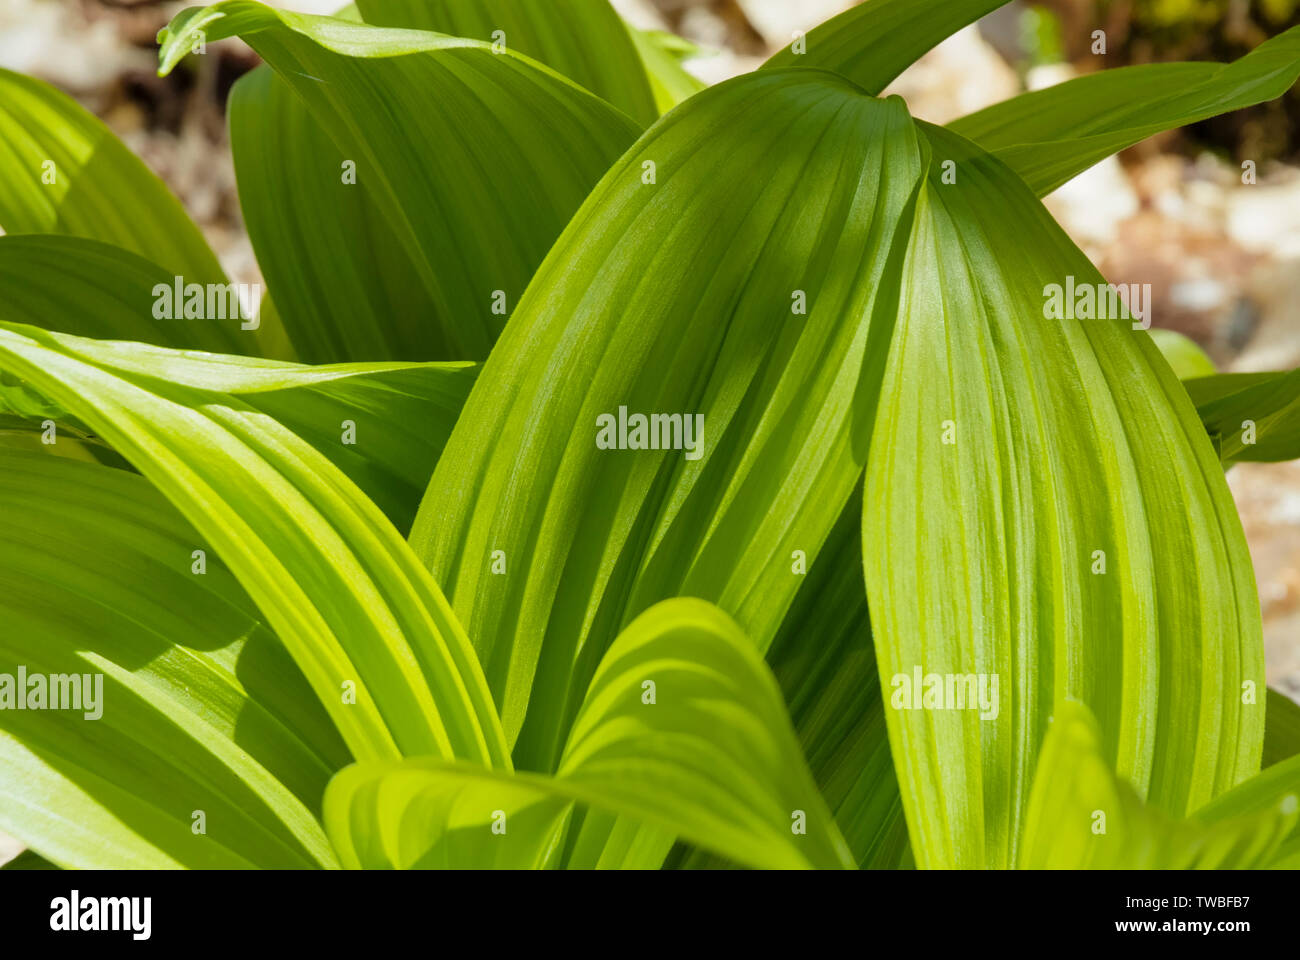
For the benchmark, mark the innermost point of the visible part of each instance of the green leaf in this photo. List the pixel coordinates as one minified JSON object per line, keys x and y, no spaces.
{"x":583,"y":39}
{"x":1249,"y":416}
{"x":1281,"y":729}
{"x":114,"y":291}
{"x":1050,"y":136}
{"x":401,"y":413}
{"x":27,"y":860}
{"x":661,"y":55}
{"x":683,"y":728}
{"x":347,"y":281}
{"x":826,"y":666}
{"x":676,"y":297}
{"x":833,"y":688}
{"x":197,"y":705}
{"x":1082,"y":817}
{"x":474,"y":161}
{"x":99,"y":189}
{"x":1277,"y":787}
{"x":1184,"y":356}
{"x":429,"y":814}
{"x":1253,"y":416}
{"x":332,"y":576}
{"x":873,"y":42}
{"x":1012,"y":456}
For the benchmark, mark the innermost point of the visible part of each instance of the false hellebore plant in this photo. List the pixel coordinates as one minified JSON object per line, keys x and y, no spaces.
{"x":618,"y":472}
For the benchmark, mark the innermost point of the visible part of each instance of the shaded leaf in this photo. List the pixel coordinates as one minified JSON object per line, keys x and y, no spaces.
{"x":324,"y":245}
{"x":458,"y":179}
{"x":197,"y":706}
{"x":1252,"y":416}
{"x":116,"y":293}
{"x":27,"y":860}
{"x":1281,"y":729}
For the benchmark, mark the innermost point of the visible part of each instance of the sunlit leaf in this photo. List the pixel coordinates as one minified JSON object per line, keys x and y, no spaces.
{"x":1081,"y":816}
{"x":1043,"y":510}
{"x":1049,"y":136}
{"x":683,"y":728}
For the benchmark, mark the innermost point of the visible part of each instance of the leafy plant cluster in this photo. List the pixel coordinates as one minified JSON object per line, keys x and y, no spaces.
{"x":365,"y":592}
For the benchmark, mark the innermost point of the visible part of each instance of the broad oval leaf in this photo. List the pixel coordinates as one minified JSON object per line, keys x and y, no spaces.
{"x":1056,"y":523}
{"x":738,"y":287}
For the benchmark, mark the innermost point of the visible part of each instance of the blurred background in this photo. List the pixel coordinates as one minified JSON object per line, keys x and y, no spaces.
{"x":1223,"y":258}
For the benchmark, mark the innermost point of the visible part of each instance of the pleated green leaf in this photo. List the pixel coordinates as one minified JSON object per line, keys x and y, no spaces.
{"x":65,"y":172}
{"x":365,"y":623}
{"x":873,"y":42}
{"x":825,"y":663}
{"x":184,"y":700}
{"x":737,"y":287}
{"x":350,"y":289}
{"x":683,"y":728}
{"x":119,"y":295}
{"x":1251,"y":416}
{"x":1276,"y":788}
{"x":384,"y":424}
{"x":1043,"y":509}
{"x":583,"y":39}
{"x":1050,"y":136}
{"x":429,"y":814}
{"x":1281,"y":729}
{"x":474,"y":160}
{"x":1082,"y":817}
